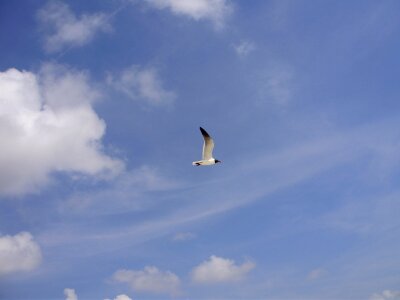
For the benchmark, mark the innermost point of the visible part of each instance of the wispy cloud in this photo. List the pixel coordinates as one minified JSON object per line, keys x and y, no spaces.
{"x":220,"y":270}
{"x":316,"y":273}
{"x":244,"y":48}
{"x":150,"y":280}
{"x":130,"y":192}
{"x":284,"y":169}
{"x":386,"y":295}
{"x":365,"y":215}
{"x":216,"y":11}
{"x":277,"y":86}
{"x":363,"y":31}
{"x":142,"y":84}
{"x":19,"y":253}
{"x":121,"y":297}
{"x":183,"y":236}
{"x":49,"y":125}
{"x":279,"y":13}
{"x":64,"y":29}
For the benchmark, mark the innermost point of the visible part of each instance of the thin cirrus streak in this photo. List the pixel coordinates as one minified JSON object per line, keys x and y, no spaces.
{"x":267,"y":174}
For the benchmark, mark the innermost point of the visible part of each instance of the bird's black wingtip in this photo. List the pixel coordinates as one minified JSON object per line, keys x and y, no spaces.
{"x":203,"y":132}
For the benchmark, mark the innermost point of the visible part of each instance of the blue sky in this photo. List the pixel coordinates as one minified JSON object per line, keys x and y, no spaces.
{"x":100,"y":104}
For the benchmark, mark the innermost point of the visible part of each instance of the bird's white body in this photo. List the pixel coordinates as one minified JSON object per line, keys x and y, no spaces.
{"x":207,"y":162}
{"x":208,"y":147}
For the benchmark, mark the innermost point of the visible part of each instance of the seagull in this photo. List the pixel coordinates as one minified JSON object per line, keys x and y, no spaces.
{"x":208,"y":147}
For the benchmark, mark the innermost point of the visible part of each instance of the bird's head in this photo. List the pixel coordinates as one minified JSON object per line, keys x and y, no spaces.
{"x":217,"y":161}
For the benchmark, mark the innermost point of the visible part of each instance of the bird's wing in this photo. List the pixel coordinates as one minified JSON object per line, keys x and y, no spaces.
{"x":208,"y":145}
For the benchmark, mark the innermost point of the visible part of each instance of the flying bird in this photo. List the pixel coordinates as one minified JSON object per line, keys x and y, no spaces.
{"x":208,"y":147}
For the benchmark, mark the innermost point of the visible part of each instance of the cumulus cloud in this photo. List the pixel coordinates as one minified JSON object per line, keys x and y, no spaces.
{"x":47,"y":124}
{"x":64,"y":29}
{"x":70,"y":294}
{"x":215,"y":11}
{"x":19,"y":253}
{"x":183,"y":236}
{"x":244,"y":48}
{"x":386,"y":295}
{"x":219,"y":270}
{"x":142,"y":84}
{"x":122,"y":297}
{"x":150,"y":280}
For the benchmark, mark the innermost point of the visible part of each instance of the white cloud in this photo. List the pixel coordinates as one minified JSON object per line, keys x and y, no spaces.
{"x":219,"y":270}
{"x":386,"y":295}
{"x":65,"y":29}
{"x":122,"y":297}
{"x":215,"y":11}
{"x":70,"y":294}
{"x":19,"y":253}
{"x":150,"y":280}
{"x":142,"y":84}
{"x":47,"y":124}
{"x":244,"y":48}
{"x":183,"y":236}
